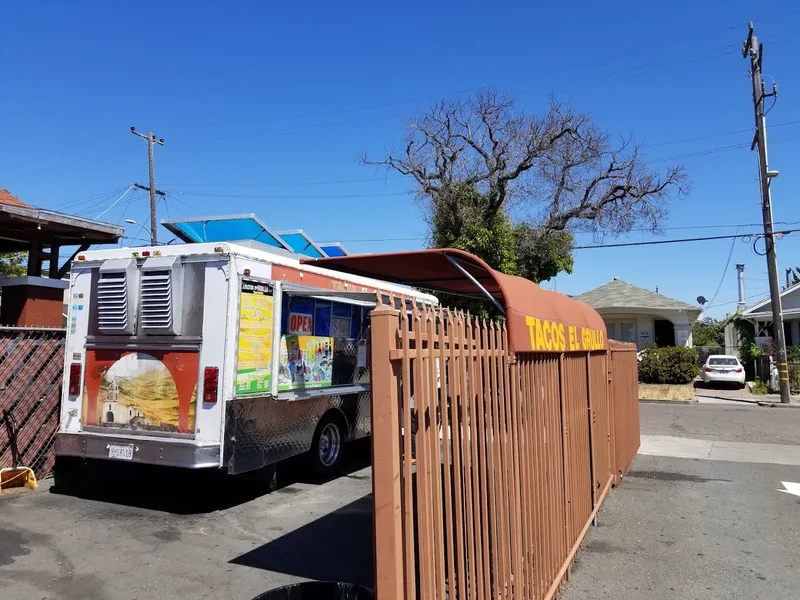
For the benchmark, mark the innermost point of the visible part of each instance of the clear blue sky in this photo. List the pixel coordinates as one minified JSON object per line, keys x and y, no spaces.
{"x":265,"y":106}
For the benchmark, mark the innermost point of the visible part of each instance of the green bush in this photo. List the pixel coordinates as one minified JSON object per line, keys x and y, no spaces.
{"x":672,"y":365}
{"x":759,"y":388}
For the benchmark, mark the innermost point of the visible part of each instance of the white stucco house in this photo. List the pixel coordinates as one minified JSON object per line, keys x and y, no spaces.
{"x":634,"y":314}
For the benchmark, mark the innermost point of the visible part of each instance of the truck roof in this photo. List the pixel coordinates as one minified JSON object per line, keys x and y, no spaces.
{"x":254,"y":251}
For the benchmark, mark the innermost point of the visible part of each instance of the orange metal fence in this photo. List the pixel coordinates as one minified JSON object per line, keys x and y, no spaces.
{"x":489,"y":467}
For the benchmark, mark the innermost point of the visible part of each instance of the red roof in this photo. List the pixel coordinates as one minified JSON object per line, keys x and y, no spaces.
{"x":7,"y":198}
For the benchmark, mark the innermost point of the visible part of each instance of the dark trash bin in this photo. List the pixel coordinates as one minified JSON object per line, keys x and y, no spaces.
{"x":318,"y":590}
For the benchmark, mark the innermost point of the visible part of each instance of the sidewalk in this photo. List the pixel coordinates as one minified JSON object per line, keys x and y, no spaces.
{"x":728,"y":396}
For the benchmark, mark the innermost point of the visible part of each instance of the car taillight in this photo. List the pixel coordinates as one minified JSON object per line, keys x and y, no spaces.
{"x":210,"y":384}
{"x":708,"y":370}
{"x":738,"y":370}
{"x":75,"y":379}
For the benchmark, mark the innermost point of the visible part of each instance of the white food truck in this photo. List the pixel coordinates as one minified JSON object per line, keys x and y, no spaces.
{"x":214,"y":354}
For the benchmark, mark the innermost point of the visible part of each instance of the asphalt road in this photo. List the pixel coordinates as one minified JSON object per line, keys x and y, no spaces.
{"x":677,"y":528}
{"x":153,"y":537}
{"x":698,"y":529}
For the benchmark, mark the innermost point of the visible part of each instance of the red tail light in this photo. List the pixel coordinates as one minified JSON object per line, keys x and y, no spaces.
{"x":738,"y":370}
{"x":708,"y":370}
{"x":210,"y":384}
{"x":75,"y":379}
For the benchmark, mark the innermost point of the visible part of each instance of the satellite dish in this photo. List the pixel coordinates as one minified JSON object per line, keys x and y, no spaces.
{"x":701,"y":300}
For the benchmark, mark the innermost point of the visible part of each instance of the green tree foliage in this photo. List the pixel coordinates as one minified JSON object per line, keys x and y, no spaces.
{"x":459,"y":220}
{"x":746,"y":331}
{"x":514,"y":187}
{"x":13,"y":264}
{"x":709,"y":332}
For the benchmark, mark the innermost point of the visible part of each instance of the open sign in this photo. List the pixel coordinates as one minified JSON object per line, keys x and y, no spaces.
{"x":301,"y":324}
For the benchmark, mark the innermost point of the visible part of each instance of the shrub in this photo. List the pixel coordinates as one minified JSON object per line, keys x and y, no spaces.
{"x":759,"y":388}
{"x":672,"y":365}
{"x":651,"y":367}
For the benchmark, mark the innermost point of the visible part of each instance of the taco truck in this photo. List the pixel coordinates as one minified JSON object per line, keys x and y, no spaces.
{"x":216,"y":354}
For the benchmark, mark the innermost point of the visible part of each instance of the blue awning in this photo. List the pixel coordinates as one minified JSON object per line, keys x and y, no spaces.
{"x":300,"y":243}
{"x":226,"y":229}
{"x":334,"y":250}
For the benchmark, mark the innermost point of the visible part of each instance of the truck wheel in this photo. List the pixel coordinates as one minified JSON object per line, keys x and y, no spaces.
{"x":326,"y":449}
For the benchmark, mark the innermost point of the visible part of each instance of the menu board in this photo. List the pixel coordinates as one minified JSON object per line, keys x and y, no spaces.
{"x":254,"y":358}
{"x":306,"y":362}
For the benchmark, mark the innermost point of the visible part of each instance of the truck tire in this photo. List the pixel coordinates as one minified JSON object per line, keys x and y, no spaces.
{"x":326,"y":448}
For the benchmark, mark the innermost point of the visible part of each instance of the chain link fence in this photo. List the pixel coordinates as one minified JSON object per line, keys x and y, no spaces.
{"x":31,"y":371}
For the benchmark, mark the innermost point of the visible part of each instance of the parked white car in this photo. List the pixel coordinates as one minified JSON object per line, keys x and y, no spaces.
{"x":721,"y":368}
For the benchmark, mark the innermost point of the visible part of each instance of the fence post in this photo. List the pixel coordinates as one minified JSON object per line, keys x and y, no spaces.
{"x":592,"y":428}
{"x":386,"y":458}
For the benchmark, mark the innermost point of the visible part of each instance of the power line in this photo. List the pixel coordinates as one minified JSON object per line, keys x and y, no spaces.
{"x":186,"y":204}
{"x":725,"y":269}
{"x":720,"y":149}
{"x":300,"y":197}
{"x":288,"y":183}
{"x":715,"y":135}
{"x":85,"y":199}
{"x":350,"y":110}
{"x":683,"y":240}
{"x":113,"y":204}
{"x":676,"y":228}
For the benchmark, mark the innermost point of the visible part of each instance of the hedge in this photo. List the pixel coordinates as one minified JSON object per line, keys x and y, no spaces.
{"x":673,"y":365}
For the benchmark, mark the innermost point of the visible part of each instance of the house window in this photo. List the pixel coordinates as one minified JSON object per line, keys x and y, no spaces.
{"x":626,"y":332}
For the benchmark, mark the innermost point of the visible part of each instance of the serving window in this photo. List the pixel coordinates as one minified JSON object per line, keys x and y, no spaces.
{"x":322,"y":341}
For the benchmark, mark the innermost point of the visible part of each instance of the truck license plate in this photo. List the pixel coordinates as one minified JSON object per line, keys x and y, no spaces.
{"x":123,"y":452}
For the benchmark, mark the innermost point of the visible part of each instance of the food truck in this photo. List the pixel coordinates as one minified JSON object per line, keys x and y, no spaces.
{"x":217,"y":354}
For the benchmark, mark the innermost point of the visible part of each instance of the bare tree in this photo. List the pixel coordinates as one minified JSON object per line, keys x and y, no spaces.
{"x":561,"y":171}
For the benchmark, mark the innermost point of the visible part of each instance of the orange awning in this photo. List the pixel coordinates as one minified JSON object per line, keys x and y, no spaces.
{"x":538,"y":320}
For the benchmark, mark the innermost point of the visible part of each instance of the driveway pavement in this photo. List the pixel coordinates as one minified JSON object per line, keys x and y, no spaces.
{"x":699,"y":515}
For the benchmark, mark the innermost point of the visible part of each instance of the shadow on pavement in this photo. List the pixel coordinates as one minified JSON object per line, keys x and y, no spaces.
{"x":184,"y":491}
{"x":336,"y":547}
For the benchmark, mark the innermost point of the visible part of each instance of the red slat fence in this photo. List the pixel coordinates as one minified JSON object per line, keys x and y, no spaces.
{"x":489,"y":466}
{"x":31,"y":371}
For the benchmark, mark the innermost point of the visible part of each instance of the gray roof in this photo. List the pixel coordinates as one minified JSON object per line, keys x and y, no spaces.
{"x":619,"y":294}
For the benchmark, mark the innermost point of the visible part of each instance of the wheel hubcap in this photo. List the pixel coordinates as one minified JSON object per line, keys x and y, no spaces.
{"x":329,"y":444}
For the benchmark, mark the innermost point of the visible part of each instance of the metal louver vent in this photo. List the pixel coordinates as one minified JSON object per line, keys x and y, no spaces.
{"x":116,"y":295}
{"x":112,"y":302}
{"x":161,"y":296}
{"x":156,"y":297}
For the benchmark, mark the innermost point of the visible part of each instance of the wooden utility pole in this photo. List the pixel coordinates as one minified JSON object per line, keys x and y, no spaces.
{"x":151,"y":140}
{"x":754,"y":51}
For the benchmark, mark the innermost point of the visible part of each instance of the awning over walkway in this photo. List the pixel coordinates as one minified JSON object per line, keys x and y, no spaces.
{"x":32,"y":229}
{"x":538,"y":320}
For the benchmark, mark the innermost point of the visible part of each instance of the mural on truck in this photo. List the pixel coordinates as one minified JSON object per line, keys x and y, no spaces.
{"x":306,"y":362}
{"x":154,"y":391}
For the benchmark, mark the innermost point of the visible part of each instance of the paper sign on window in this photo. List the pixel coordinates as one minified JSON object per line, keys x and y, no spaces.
{"x":340,"y":327}
{"x":300,"y":324}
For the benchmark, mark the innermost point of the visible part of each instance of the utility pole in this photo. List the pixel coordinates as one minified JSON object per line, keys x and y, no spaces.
{"x":150,"y":138}
{"x":754,"y":51}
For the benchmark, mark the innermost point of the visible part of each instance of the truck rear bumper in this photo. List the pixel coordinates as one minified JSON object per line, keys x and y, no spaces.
{"x":172,"y":453}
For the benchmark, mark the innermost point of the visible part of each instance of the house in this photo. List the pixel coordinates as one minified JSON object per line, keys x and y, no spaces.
{"x":634,"y":314}
{"x":760,"y":315}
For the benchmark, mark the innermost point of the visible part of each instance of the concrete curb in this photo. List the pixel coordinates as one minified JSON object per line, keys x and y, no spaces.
{"x":654,"y":401}
{"x":769,"y":404}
